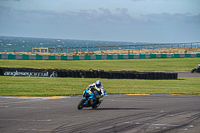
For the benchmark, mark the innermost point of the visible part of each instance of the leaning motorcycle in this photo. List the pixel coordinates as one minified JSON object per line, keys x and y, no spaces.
{"x":195,"y":70}
{"x":90,"y":99}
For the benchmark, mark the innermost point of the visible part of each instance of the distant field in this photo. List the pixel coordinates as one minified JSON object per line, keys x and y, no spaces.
{"x":166,"y":64}
{"x":46,"y":86}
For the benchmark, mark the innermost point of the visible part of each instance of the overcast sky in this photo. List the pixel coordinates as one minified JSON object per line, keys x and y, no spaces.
{"x":107,"y":20}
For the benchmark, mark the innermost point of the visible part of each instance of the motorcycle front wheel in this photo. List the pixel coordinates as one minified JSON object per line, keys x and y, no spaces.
{"x":80,"y":105}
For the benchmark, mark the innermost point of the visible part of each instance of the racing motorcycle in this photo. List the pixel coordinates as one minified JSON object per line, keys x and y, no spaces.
{"x":195,"y":70}
{"x":90,"y":99}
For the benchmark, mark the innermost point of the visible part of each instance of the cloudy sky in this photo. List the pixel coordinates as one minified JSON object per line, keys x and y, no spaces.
{"x":109,"y":20}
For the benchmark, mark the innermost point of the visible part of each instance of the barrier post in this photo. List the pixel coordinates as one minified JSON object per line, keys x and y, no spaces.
{"x":87,"y":49}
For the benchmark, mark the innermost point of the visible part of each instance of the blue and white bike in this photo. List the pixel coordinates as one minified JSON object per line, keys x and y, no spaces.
{"x":90,"y":99}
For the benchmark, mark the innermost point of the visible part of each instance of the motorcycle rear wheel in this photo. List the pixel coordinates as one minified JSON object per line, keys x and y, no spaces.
{"x":80,"y":105}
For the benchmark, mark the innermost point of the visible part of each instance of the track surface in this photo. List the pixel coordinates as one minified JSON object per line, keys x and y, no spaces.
{"x":117,"y":114}
{"x":188,"y":74}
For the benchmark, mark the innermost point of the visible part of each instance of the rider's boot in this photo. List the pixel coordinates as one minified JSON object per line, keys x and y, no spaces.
{"x":100,"y":100}
{"x":91,"y":101}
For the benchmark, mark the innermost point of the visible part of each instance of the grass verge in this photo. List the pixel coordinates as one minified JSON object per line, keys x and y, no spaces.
{"x":45,"y":86}
{"x":166,"y":64}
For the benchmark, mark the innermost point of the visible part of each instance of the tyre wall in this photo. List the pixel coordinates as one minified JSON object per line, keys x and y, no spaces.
{"x":97,"y":57}
{"x":87,"y":73}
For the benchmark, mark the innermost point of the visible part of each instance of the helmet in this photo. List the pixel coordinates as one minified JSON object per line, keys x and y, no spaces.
{"x":98,"y":83}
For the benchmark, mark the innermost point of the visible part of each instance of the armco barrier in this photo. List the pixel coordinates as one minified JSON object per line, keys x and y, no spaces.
{"x":86,"y":74}
{"x":97,"y":57}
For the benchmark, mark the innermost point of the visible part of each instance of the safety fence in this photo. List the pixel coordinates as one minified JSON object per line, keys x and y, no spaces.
{"x":115,"y":47}
{"x":86,"y":73}
{"x":97,"y":56}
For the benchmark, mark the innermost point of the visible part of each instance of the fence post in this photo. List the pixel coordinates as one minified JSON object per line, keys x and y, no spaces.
{"x":153,"y":46}
{"x":93,"y":48}
{"x":61,"y":50}
{"x":80,"y":49}
{"x":117,"y":47}
{"x":99,"y":48}
{"x":178,"y":45}
{"x":68,"y":50}
{"x":197,"y":45}
{"x":112,"y":48}
{"x":87,"y":49}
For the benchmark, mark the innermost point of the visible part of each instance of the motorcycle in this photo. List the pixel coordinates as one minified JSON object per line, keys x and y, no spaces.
{"x":90,"y":99}
{"x":195,"y":70}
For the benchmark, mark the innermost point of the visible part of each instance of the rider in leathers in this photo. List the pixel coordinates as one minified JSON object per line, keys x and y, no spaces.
{"x":99,"y":87}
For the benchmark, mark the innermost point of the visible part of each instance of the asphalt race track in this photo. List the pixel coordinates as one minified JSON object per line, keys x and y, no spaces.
{"x":117,"y":114}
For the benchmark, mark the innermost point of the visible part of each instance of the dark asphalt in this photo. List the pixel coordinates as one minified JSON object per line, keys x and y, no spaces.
{"x":188,"y":74}
{"x":117,"y":114}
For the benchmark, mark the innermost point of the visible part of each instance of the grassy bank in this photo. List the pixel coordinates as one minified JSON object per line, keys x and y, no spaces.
{"x":167,"y":64}
{"x":45,"y":86}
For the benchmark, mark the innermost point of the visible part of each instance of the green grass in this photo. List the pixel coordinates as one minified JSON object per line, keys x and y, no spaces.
{"x":45,"y":86}
{"x":167,"y":64}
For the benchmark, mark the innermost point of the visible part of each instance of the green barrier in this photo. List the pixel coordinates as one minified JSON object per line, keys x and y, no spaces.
{"x":87,"y":57}
{"x":131,"y":56}
{"x":120,"y":56}
{"x":98,"y":57}
{"x":11,"y":56}
{"x":38,"y":57}
{"x":51,"y":57}
{"x":109,"y":56}
{"x":187,"y":55}
{"x":25,"y":57}
{"x":198,"y":55}
{"x":142,"y":56}
{"x":75,"y":57}
{"x":175,"y":55}
{"x":63,"y":57}
{"x":152,"y":55}
{"x":163,"y":55}
{"x":0,"y":56}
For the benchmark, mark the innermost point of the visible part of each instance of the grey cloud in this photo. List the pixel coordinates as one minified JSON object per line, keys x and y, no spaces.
{"x":101,"y":15}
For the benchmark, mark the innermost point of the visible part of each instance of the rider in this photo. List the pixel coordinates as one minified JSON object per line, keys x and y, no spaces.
{"x":99,"y":87}
{"x":198,"y":66}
